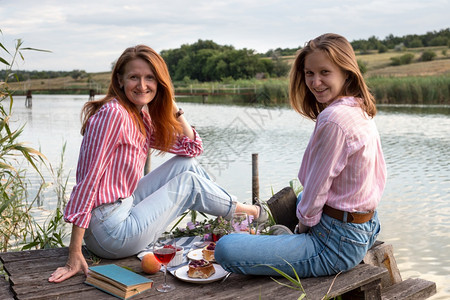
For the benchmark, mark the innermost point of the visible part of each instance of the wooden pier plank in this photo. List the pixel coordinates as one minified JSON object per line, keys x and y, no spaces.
{"x":410,"y":289}
{"x":29,"y":272}
{"x":5,"y":291}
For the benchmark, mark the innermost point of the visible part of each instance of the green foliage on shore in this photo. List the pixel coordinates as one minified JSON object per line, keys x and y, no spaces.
{"x":428,"y":56}
{"x":430,"y":39}
{"x":427,"y":90}
{"x":17,"y":225}
{"x":22,"y":75}
{"x":402,"y":60}
{"x":207,"y":61}
{"x":373,"y":43}
{"x":401,"y":73}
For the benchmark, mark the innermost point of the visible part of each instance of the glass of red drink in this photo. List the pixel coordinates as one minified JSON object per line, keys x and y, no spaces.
{"x":217,"y":233}
{"x":164,"y":250}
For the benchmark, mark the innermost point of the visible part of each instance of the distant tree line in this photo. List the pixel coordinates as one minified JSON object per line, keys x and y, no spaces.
{"x":432,"y":38}
{"x":26,"y":75}
{"x":206,"y":60}
{"x":281,"y":52}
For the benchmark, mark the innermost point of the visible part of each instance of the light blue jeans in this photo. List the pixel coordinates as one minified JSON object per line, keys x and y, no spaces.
{"x":329,"y":247}
{"x":127,"y":226}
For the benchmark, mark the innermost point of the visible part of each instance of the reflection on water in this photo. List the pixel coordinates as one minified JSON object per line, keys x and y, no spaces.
{"x":415,"y":209}
{"x":415,"y":109}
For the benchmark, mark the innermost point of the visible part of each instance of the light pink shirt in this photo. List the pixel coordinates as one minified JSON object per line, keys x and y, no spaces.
{"x":112,"y":158}
{"x":343,"y":165}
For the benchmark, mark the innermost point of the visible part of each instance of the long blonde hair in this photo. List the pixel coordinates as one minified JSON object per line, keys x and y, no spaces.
{"x":341,"y":53}
{"x":165,"y":125}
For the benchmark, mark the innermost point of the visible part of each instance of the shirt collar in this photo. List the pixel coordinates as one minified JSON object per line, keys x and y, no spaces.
{"x":347,"y":100}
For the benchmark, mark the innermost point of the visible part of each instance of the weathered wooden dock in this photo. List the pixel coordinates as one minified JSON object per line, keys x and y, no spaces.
{"x":27,"y":273}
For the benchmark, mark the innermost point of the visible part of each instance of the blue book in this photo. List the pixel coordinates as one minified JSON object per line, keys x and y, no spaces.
{"x":117,"y":281}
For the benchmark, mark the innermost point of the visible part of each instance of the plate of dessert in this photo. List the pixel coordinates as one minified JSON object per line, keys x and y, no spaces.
{"x":206,"y":253}
{"x":200,"y":271}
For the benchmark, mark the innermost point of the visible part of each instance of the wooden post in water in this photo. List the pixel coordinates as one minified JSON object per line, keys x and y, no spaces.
{"x":204,"y":98}
{"x":255,"y":178}
{"x":91,"y":94}
{"x":28,"y":100}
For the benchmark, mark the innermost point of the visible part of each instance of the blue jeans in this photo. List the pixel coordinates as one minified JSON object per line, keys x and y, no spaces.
{"x":329,"y":247}
{"x":127,"y":226}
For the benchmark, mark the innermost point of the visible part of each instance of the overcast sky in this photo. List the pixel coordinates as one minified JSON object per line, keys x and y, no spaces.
{"x":90,"y":35}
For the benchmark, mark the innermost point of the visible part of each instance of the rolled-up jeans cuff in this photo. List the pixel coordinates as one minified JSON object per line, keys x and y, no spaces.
{"x":230,"y":213}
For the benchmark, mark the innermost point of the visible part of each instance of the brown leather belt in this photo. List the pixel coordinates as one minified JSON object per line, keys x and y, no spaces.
{"x":352,"y":217}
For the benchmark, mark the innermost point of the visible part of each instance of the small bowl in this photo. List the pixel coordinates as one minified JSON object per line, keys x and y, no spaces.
{"x":178,"y":258}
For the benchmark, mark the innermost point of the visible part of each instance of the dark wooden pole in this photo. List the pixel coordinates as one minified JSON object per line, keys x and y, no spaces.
{"x":91,"y":94}
{"x":255,"y":178}
{"x":29,"y":99}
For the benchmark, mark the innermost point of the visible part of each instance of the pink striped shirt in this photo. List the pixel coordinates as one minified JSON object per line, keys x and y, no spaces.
{"x":112,"y":158}
{"x":343,"y":165}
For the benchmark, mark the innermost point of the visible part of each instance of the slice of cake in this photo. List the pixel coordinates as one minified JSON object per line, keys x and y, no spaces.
{"x":208,"y":251}
{"x":201,"y":269}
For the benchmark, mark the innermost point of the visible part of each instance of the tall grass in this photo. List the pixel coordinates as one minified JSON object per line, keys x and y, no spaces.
{"x":17,"y":225}
{"x":428,"y":90}
{"x":16,"y":221}
{"x":53,"y":232}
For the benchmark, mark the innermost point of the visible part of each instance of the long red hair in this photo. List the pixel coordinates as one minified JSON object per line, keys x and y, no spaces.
{"x":165,"y":125}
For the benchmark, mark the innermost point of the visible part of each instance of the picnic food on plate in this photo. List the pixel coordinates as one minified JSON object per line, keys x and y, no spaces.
{"x":208,"y":251}
{"x":200,"y":269}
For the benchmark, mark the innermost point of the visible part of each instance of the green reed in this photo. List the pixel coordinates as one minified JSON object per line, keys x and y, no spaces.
{"x":427,"y":90}
{"x":424,"y":90}
{"x":15,"y":211}
{"x":17,"y":224}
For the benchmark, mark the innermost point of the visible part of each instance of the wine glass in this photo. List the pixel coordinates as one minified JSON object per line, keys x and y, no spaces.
{"x":240,"y":223}
{"x":217,"y":233}
{"x":164,"y":250}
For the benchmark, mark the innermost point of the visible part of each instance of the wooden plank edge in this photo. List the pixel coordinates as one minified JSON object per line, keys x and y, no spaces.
{"x":5,"y":289}
{"x":410,"y":289}
{"x":366,"y":272}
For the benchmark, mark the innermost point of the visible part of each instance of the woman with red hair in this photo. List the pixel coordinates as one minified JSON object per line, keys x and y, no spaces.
{"x":112,"y":207}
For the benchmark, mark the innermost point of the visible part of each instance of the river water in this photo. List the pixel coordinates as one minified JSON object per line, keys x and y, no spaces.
{"x":415,"y":208}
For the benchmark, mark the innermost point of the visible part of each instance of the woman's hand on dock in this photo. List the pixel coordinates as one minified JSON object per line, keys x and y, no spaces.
{"x":75,"y":264}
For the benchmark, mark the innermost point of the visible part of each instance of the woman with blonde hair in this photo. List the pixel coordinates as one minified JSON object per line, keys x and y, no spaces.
{"x":112,"y":207}
{"x":343,"y":173}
